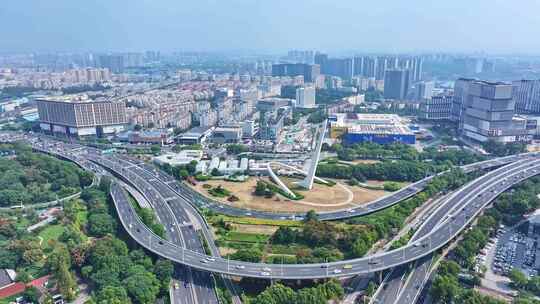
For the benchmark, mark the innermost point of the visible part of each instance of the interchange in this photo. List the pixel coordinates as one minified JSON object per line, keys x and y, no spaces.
{"x":474,"y":196}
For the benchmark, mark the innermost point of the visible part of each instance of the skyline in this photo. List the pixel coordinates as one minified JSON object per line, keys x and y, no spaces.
{"x":270,"y":26}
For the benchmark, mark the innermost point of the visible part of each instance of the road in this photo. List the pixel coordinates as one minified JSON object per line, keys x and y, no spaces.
{"x":395,"y":289}
{"x":474,"y":196}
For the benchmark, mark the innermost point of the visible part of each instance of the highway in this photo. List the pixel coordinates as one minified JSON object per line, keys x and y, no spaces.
{"x":403,"y":286}
{"x":437,"y":238}
{"x":474,"y":196}
{"x":200,"y":201}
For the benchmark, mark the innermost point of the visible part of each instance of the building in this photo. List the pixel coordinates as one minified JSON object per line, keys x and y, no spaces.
{"x":339,"y":67}
{"x":115,"y":63}
{"x":436,"y":108}
{"x":309,"y":71}
{"x":340,"y":107}
{"x":305,"y":97}
{"x":195,"y":135}
{"x":227,"y":135}
{"x":272,"y":122}
{"x":80,"y":116}
{"x":424,"y":90}
{"x":183,"y":157}
{"x":396,"y":84}
{"x":461,"y":92}
{"x":378,"y":128}
{"x":490,"y":114}
{"x":159,"y":137}
{"x":272,"y":104}
{"x":526,"y":93}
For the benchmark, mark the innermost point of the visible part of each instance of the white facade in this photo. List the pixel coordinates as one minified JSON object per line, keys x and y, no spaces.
{"x":305,"y":97}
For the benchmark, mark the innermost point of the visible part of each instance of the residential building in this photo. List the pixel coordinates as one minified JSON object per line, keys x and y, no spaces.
{"x":396,"y":84}
{"x":309,"y":71}
{"x":305,"y":97}
{"x":461,"y":93}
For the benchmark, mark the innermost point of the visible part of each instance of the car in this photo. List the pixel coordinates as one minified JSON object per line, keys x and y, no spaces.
{"x":351,"y":211}
{"x":264,"y":273}
{"x":348,"y":266}
{"x":240,"y":266}
{"x":210,"y":259}
{"x":337,"y":271}
{"x":324,"y":266}
{"x":204,"y":261}
{"x":267,"y":269}
{"x":176,"y":286}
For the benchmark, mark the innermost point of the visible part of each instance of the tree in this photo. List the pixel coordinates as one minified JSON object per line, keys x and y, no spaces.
{"x":445,"y":289}
{"x":101,"y":224}
{"x":519,"y":280}
{"x":113,"y":295}
{"x":142,"y":286}
{"x":311,"y":215}
{"x":253,"y":255}
{"x":260,"y":188}
{"x":31,"y":294}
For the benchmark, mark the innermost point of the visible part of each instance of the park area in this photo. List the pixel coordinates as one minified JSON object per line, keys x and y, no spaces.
{"x":321,"y":198}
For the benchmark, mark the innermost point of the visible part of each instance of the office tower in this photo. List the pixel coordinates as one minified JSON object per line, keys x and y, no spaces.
{"x":438,"y":107}
{"x":300,"y":56}
{"x":382,"y":67}
{"x":115,"y":63}
{"x":305,"y":97}
{"x":358,"y":66}
{"x":424,"y":90}
{"x":393,"y":63}
{"x":396,"y":84}
{"x":81,"y":117}
{"x":461,"y":91}
{"x":526,"y":93}
{"x":340,"y":67}
{"x":309,"y":71}
{"x":489,"y":114}
{"x":370,"y":67}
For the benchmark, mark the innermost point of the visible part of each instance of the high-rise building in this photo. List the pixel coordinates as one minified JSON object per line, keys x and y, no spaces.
{"x":417,"y":66}
{"x":309,"y":71}
{"x":115,"y":63}
{"x":358,"y":66}
{"x":490,"y":114}
{"x":438,"y":107}
{"x":526,"y":93}
{"x":461,"y":92}
{"x":321,"y":60}
{"x":382,"y":67}
{"x":340,"y":67}
{"x":396,"y":84}
{"x":305,"y":97}
{"x":424,"y":90}
{"x":369,"y":67}
{"x":81,"y":117}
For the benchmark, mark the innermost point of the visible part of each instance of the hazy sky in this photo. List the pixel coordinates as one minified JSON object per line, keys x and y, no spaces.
{"x":271,"y":25}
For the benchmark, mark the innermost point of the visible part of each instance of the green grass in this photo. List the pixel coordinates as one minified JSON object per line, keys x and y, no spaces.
{"x":245,"y":237}
{"x":219,"y":192}
{"x":51,"y":232}
{"x":82,"y":217}
{"x":256,"y":221}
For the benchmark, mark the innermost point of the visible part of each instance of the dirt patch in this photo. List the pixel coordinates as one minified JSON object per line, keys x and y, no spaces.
{"x":258,"y":229}
{"x":320,"y":198}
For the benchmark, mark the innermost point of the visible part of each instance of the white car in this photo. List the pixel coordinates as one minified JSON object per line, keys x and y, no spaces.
{"x":266,"y":269}
{"x":210,"y":259}
{"x":240,"y":266}
{"x":264,"y":273}
{"x":336,"y":271}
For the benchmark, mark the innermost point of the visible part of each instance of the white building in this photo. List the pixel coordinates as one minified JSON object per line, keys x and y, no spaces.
{"x":182,"y":158}
{"x":305,"y":97}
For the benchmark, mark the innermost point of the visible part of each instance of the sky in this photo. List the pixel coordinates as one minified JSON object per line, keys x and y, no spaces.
{"x":268,"y":26}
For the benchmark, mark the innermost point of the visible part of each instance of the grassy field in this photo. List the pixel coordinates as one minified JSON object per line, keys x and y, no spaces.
{"x":51,"y":232}
{"x":256,"y":221}
{"x":234,"y":236}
